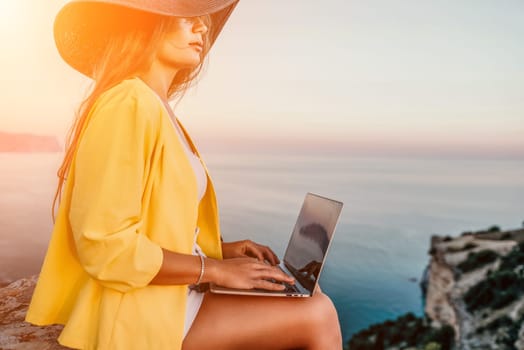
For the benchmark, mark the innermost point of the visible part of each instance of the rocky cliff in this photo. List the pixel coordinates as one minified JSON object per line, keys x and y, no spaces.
{"x":12,"y":142}
{"x":474,"y":298}
{"x":475,"y":283}
{"x":14,"y":332}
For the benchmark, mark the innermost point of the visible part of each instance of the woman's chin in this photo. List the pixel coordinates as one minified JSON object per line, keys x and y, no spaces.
{"x":190,"y":63}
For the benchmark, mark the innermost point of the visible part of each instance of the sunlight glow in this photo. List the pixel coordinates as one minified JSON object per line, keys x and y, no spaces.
{"x":9,"y":13}
{"x":369,"y":76}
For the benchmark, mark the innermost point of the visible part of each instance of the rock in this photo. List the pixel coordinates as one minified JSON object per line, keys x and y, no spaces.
{"x":438,"y":305}
{"x":15,"y":142}
{"x":15,"y":333}
{"x":519,"y":345}
{"x":444,"y":286}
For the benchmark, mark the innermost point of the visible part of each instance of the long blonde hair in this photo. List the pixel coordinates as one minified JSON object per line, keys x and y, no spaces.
{"x":126,"y":53}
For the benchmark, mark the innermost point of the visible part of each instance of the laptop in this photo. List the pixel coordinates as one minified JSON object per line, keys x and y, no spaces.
{"x":306,"y":251}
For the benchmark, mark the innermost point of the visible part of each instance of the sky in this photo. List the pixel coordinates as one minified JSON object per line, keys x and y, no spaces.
{"x":406,"y":77}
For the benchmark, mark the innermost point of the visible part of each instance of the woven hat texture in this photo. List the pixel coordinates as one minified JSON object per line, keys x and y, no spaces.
{"x":82,"y":28}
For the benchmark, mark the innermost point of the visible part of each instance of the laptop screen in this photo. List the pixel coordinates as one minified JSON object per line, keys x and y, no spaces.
{"x":311,"y":237}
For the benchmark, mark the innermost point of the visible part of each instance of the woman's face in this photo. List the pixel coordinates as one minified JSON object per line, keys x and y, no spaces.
{"x":183,"y":43}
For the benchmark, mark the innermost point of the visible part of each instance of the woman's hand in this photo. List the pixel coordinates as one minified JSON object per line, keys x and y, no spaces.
{"x":246,"y":273}
{"x":247,"y":248}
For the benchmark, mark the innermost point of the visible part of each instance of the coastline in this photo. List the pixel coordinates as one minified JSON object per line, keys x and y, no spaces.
{"x":466,"y":307}
{"x":449,"y":321}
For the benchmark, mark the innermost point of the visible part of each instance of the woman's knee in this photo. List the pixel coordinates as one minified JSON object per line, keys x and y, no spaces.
{"x":327,"y":331}
{"x":323,"y":317}
{"x":322,"y":309}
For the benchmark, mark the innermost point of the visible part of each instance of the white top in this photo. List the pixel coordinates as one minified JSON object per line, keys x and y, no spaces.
{"x":199,"y":170}
{"x":194,"y":298}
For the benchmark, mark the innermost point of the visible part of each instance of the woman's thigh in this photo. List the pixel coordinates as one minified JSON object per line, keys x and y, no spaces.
{"x":244,"y":322}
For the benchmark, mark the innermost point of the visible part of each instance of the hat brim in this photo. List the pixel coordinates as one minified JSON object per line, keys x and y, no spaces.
{"x":82,"y":28}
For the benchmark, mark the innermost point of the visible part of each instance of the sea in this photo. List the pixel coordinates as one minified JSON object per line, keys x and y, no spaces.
{"x":392,"y":206}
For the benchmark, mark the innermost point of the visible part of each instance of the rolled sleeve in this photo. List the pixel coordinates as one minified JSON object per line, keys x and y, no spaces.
{"x":106,"y":201}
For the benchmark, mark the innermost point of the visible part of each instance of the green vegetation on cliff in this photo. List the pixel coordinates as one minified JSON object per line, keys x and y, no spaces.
{"x":405,"y":331}
{"x":509,"y":336}
{"x":478,"y":259}
{"x":497,"y":290}
{"x":514,"y":259}
{"x":500,"y":287}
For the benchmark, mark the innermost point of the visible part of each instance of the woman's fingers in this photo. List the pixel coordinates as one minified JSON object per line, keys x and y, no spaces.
{"x":249,"y":248}
{"x":270,"y":277}
{"x":247,"y":273}
{"x":274,"y":273}
{"x":262,"y":253}
{"x":270,"y":256}
{"x":253,"y":250}
{"x":268,"y":285}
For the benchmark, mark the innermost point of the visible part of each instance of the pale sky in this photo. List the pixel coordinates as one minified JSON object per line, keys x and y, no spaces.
{"x":397,"y":76}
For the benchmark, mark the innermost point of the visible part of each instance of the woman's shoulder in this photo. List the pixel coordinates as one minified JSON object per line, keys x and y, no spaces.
{"x":133,"y":91}
{"x":129,"y":97}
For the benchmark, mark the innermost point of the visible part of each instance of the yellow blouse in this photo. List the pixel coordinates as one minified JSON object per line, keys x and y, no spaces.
{"x":130,"y":192}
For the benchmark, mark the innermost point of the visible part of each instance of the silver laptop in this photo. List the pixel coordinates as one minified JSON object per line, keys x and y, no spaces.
{"x":306,"y":251}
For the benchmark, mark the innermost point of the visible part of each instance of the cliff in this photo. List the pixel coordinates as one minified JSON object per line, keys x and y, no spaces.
{"x":14,"y":332}
{"x":11,"y":142}
{"x":475,"y":283}
{"x":474,"y":298}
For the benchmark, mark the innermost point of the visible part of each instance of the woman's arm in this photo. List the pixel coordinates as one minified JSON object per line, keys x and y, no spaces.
{"x":105,"y":204}
{"x":242,"y":273}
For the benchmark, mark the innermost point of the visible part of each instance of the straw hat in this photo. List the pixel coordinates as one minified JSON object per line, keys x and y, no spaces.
{"x":82,"y":26}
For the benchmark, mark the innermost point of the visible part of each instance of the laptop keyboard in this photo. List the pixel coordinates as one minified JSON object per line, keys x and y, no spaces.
{"x":290,"y":287}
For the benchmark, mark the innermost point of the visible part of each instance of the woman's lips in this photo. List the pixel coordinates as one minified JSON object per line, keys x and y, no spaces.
{"x":197,"y":46}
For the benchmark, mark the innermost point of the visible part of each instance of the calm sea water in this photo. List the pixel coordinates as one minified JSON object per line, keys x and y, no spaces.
{"x":392,"y":207}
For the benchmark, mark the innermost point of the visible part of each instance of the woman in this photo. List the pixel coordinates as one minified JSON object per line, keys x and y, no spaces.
{"x":137,"y":228}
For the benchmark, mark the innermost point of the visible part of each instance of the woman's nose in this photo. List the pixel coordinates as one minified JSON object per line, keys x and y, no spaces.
{"x":200,"y":26}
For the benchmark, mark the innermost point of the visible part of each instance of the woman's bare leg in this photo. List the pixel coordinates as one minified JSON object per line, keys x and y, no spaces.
{"x":243,"y":322}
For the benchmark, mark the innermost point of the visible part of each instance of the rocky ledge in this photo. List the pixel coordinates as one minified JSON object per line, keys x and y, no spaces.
{"x":14,"y":142}
{"x":15,"y":333}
